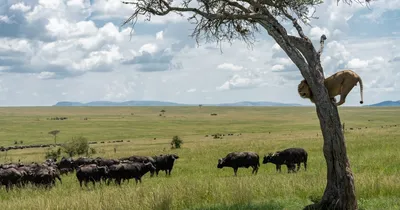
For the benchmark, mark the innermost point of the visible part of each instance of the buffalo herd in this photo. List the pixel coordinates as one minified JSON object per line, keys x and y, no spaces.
{"x":94,"y":170}
{"x":102,"y":170}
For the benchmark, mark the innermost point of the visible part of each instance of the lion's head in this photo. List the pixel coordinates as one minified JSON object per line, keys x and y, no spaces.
{"x":304,"y":89}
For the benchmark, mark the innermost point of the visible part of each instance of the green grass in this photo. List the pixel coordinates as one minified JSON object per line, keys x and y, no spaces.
{"x":196,"y":182}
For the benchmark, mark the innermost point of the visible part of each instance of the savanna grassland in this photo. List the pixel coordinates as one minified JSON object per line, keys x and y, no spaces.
{"x":196,"y":182}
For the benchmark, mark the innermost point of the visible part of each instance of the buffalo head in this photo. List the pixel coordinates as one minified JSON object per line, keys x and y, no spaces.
{"x":268,"y":158}
{"x":220,"y":163}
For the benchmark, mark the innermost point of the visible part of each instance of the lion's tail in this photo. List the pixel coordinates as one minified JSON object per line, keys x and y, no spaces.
{"x":361,"y":90}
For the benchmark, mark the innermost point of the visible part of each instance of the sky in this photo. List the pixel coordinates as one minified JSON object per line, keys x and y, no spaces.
{"x":76,"y":50}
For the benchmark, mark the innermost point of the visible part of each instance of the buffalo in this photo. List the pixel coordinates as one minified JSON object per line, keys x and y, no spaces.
{"x":129,"y":170}
{"x":288,"y":157}
{"x":165,"y":163}
{"x":91,"y":172}
{"x":237,"y":160}
{"x":10,"y":177}
{"x":66,"y":165}
{"x":140,"y":159}
{"x":83,"y":161}
{"x":106,"y":162}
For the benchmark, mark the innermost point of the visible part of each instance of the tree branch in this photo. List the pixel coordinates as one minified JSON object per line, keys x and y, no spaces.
{"x":210,"y":16}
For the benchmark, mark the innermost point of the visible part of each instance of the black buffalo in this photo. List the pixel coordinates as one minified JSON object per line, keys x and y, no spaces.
{"x":106,"y":162}
{"x":66,"y":165}
{"x":43,"y":175}
{"x":83,"y":161}
{"x":237,"y":160}
{"x":129,"y":170}
{"x":140,"y":159}
{"x":91,"y":172}
{"x":165,"y":163}
{"x":10,"y":177}
{"x":289,"y":157}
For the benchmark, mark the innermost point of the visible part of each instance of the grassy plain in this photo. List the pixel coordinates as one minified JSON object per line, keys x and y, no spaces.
{"x":196,"y":183}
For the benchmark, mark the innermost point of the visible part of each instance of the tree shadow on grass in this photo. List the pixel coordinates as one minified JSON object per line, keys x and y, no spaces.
{"x":251,"y":206}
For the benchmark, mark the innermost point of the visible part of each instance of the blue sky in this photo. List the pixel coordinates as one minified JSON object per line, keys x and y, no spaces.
{"x":74,"y":50}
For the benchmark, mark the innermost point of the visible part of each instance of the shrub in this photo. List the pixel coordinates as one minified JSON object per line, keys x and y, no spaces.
{"x":176,"y":142}
{"x":92,"y":151}
{"x":53,"y":154}
{"x":76,"y":146}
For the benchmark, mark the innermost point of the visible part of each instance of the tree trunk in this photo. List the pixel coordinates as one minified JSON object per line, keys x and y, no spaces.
{"x":340,"y":191}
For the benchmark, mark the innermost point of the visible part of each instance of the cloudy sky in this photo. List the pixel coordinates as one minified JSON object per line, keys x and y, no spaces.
{"x":75,"y":50}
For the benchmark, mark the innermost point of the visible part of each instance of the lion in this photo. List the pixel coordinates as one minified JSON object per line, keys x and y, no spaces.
{"x":341,"y":82}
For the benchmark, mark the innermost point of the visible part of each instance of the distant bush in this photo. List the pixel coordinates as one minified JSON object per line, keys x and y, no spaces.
{"x":53,"y":154}
{"x":92,"y":151}
{"x":176,"y":142}
{"x":78,"y":146}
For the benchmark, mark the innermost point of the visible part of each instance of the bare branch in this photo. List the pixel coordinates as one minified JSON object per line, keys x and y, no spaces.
{"x":296,"y":25}
{"x":322,"y":42}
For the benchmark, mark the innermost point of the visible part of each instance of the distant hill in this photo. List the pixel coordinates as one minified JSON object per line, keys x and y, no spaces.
{"x":163,"y":103}
{"x":387,"y":103}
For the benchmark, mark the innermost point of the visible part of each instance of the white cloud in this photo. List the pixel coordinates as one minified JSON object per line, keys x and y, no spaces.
{"x":46,"y":75}
{"x":4,"y":19}
{"x":239,"y":82}
{"x":191,"y":90}
{"x":357,"y":63}
{"x":230,"y":66}
{"x":278,"y":67}
{"x":21,"y":6}
{"x":160,"y":35}
{"x":149,"y":47}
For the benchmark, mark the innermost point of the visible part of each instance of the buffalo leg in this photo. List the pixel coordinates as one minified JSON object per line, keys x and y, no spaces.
{"x":8,"y":186}
{"x":235,"y":171}
{"x":255,"y":169}
{"x":298,"y":166}
{"x":278,"y":168}
{"x":305,"y":166}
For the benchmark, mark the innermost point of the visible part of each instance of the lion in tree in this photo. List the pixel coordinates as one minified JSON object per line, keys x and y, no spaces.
{"x":340,"y":83}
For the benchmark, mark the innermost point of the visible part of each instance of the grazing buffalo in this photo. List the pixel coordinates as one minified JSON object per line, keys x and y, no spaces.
{"x":140,"y":159}
{"x":165,"y":163}
{"x":91,"y":172}
{"x":9,"y":177}
{"x":237,"y":160}
{"x":66,"y":165}
{"x":106,"y":162}
{"x":84,"y":161}
{"x":129,"y":170}
{"x":288,"y":157}
{"x":44,"y":175}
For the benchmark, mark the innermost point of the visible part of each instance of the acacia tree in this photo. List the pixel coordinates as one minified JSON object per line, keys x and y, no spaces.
{"x":54,"y":133}
{"x":226,"y":20}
